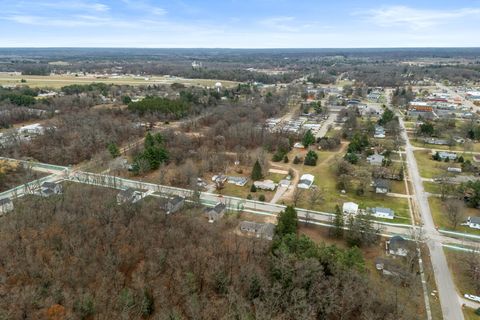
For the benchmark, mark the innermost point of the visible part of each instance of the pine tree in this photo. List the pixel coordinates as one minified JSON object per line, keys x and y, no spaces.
{"x":308,"y":139}
{"x":113,"y":149}
{"x":287,"y":222}
{"x":338,"y":223}
{"x":257,"y":171}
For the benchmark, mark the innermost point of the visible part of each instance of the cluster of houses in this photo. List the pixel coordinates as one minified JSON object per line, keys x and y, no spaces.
{"x":351,"y":208}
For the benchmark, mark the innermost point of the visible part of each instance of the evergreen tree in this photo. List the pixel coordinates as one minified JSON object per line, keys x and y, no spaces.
{"x":257,"y":171}
{"x":287,"y":222}
{"x":311,"y":158}
{"x":113,"y":149}
{"x":338,"y":223}
{"x":308,"y":139}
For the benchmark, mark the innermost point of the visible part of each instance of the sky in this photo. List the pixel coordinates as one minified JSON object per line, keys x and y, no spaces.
{"x":240,"y":23}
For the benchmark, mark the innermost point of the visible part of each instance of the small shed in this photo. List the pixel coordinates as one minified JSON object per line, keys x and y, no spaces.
{"x":350,"y":208}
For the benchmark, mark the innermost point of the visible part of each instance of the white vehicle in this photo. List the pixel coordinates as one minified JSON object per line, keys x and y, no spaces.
{"x":472,"y":297}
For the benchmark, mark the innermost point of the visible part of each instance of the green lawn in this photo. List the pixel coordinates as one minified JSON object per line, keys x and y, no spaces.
{"x":432,"y":187}
{"x":441,"y":220}
{"x":430,"y":168}
{"x":470,"y":314}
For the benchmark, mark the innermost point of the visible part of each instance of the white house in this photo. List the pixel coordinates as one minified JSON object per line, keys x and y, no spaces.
{"x":6,"y":205}
{"x":350,"y":208}
{"x":375,"y":159}
{"x":306,"y":181}
{"x":384,"y":213}
{"x":265,"y":185}
{"x":473,"y":222}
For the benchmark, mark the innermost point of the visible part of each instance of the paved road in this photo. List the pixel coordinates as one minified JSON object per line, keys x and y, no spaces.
{"x":449,"y":301}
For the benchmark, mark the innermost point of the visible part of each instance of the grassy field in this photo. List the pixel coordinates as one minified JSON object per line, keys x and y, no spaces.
{"x":58,"y":81}
{"x":440,"y":217}
{"x":430,"y":168}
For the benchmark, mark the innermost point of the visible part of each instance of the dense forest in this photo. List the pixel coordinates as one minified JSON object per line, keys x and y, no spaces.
{"x":81,"y":256}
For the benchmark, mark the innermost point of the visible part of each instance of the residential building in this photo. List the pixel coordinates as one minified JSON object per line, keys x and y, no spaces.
{"x":381,"y":186}
{"x":260,"y":230}
{"x":128,"y":196}
{"x":375,"y":159}
{"x":350,"y":208}
{"x":379,"y":132}
{"x":265,"y":185}
{"x":215,"y":213}
{"x":450,"y":155}
{"x":50,"y":188}
{"x":473,"y":222}
{"x":398,"y":246}
{"x":174,"y":204}
{"x":435,"y":141}
{"x":238,"y":181}
{"x":306,"y":181}
{"x":6,"y":205}
{"x":384,"y":213}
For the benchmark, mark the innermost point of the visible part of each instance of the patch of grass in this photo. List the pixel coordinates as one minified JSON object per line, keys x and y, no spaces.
{"x":470,"y":314}
{"x":432,"y":187}
{"x":440,"y":217}
{"x":430,"y":168}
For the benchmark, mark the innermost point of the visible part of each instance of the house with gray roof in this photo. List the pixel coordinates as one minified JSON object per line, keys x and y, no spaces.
{"x":128,"y":195}
{"x":50,"y":188}
{"x":174,"y":204}
{"x":383,"y":213}
{"x":6,"y":205}
{"x":473,"y":222}
{"x":450,"y":155}
{"x":375,"y":159}
{"x":216,"y":212}
{"x":260,"y":230}
{"x":398,"y":246}
{"x":381,"y":186}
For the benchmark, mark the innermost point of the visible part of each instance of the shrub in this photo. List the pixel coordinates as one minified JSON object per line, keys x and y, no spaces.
{"x":285,"y":159}
{"x":297,"y":160}
{"x":253,"y":188}
{"x":261,"y":197}
{"x":311,"y":158}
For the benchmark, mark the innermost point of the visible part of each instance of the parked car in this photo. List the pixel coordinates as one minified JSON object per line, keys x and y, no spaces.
{"x":472,"y":297}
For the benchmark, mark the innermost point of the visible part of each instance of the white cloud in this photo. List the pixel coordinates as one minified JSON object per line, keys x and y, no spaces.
{"x":415,"y":18}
